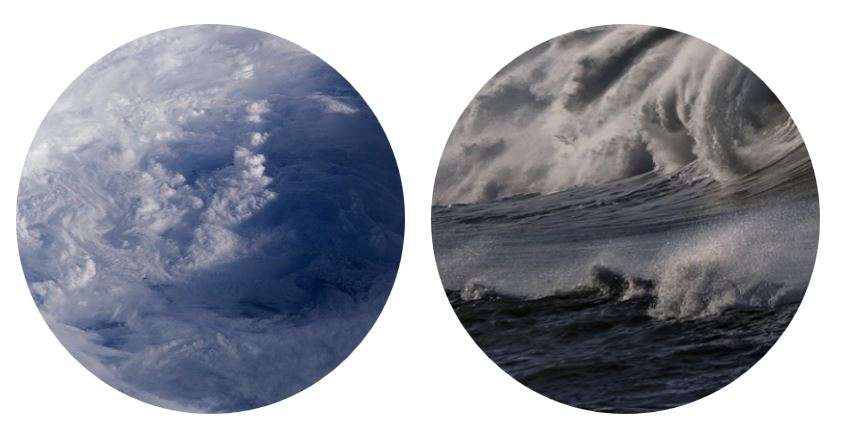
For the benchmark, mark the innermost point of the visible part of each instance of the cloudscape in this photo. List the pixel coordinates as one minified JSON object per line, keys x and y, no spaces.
{"x":210,"y":218}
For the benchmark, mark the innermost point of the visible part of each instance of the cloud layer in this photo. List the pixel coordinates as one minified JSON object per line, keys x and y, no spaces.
{"x":210,"y":218}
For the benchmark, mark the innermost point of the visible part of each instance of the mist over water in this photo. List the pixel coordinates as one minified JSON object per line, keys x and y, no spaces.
{"x":625,"y":218}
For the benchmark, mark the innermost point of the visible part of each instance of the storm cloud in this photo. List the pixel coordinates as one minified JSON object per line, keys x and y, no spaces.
{"x":210,"y":218}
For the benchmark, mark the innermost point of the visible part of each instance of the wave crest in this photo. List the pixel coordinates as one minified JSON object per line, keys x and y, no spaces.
{"x":608,"y":103}
{"x":692,"y":290}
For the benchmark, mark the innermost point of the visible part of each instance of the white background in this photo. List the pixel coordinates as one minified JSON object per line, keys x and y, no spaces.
{"x":418,"y":378}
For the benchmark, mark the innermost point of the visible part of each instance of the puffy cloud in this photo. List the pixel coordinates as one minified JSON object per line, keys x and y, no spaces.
{"x":257,"y":139}
{"x":240,"y":190}
{"x":256,"y":109}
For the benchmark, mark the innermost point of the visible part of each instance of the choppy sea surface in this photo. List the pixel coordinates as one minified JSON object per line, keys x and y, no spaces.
{"x":639,"y":294}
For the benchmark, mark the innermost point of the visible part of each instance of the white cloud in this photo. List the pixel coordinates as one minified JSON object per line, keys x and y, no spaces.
{"x":335,"y":105}
{"x":257,"y":139}
{"x":256,"y":109}
{"x":240,"y":190}
{"x":135,"y":220}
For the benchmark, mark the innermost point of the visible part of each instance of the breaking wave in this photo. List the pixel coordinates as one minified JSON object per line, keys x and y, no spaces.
{"x":608,"y":103}
{"x":691,"y":290}
{"x":625,"y":219}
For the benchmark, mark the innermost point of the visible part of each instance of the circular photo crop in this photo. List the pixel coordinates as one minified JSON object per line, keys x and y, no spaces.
{"x":210,"y":218}
{"x":625,"y":219}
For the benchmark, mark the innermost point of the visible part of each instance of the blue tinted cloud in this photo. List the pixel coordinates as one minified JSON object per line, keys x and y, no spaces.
{"x":210,"y":218}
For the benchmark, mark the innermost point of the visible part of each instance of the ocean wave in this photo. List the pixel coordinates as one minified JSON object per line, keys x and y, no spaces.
{"x":608,"y":103}
{"x":625,"y":218}
{"x":692,"y":290}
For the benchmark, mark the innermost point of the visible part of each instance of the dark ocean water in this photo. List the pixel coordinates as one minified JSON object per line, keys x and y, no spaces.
{"x":590,"y":349}
{"x":636,"y":295}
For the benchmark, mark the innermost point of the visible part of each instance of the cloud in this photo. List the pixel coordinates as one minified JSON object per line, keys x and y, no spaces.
{"x":240,"y":190}
{"x":178,"y":208}
{"x":256,"y":109}
{"x":335,"y":105}
{"x":257,"y":139}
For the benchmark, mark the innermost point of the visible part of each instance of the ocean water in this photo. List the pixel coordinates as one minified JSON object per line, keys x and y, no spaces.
{"x":625,"y":218}
{"x":635,"y":295}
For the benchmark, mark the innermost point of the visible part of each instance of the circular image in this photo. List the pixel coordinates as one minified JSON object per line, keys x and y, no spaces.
{"x":625,"y":219}
{"x":210,"y":218}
